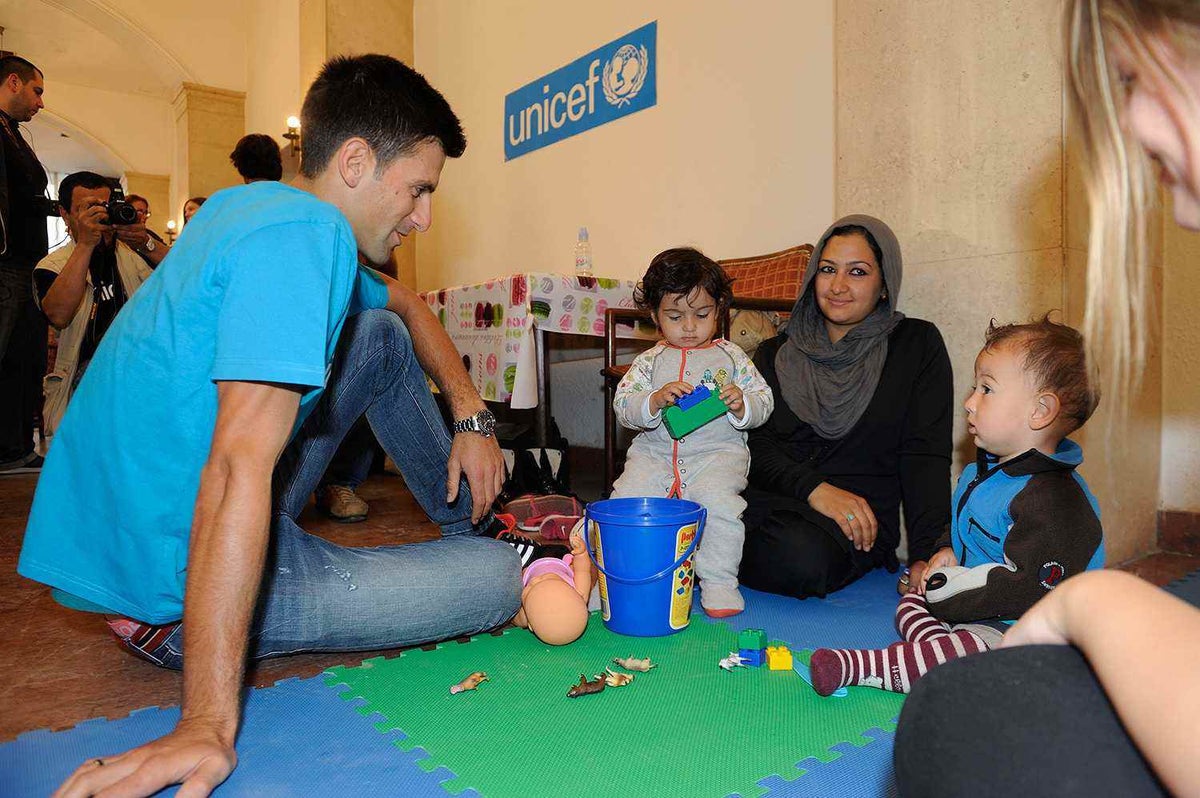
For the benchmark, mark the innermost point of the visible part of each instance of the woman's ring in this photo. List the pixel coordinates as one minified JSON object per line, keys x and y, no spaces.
{"x":849,"y":516}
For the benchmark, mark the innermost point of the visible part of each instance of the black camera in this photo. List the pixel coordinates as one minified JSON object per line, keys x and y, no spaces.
{"x":118,"y":208}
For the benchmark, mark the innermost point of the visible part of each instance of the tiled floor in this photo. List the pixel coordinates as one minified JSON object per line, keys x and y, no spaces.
{"x":62,"y":667}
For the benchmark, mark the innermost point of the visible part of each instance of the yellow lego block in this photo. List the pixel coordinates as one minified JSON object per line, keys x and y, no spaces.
{"x":779,"y":658}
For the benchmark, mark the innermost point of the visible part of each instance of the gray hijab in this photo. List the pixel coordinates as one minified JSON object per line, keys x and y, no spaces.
{"x":829,"y":385}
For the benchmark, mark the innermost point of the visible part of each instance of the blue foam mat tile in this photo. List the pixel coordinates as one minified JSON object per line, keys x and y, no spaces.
{"x":859,"y":616}
{"x":864,"y":770}
{"x":298,"y":738}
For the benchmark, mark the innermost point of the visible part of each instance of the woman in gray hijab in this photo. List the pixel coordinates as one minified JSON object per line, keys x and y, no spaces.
{"x":862,"y":425}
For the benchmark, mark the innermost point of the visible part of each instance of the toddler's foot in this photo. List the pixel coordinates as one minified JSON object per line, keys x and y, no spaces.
{"x":828,"y":671}
{"x":721,"y":601}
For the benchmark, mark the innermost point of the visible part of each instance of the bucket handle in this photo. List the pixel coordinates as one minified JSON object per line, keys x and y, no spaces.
{"x":587,"y":542}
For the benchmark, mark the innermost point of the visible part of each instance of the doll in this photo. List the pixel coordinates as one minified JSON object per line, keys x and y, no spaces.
{"x":555,"y":589}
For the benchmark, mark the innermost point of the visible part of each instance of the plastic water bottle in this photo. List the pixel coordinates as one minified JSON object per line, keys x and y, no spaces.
{"x":583,"y":254}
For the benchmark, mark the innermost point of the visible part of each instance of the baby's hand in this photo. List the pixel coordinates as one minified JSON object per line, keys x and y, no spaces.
{"x":731,"y":395}
{"x":669,"y":394}
{"x":942,"y":558}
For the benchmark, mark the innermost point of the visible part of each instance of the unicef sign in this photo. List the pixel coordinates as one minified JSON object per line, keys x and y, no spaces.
{"x":608,"y":83}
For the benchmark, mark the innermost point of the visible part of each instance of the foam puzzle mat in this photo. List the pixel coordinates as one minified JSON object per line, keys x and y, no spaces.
{"x":298,"y":738}
{"x":685,"y":728}
{"x":391,"y":727}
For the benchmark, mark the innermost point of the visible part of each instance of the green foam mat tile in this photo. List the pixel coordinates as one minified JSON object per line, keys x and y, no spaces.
{"x":685,"y":728}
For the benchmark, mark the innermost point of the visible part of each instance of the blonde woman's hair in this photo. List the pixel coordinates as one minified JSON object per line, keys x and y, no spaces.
{"x":1120,"y":184}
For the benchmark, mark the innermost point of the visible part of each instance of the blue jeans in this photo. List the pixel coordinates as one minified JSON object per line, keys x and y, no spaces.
{"x":319,"y":596}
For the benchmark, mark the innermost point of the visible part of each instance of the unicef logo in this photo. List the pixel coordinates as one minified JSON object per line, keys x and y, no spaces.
{"x":624,"y":74}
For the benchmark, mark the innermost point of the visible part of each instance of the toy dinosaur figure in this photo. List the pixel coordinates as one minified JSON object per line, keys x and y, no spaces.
{"x":585,"y":687}
{"x":734,"y":660}
{"x":631,"y":664}
{"x":614,"y":679}
{"x":469,"y":683}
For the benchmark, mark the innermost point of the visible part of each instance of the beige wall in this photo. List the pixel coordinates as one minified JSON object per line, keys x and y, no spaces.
{"x":1181,"y":367}
{"x":951,"y":129}
{"x":736,"y":157}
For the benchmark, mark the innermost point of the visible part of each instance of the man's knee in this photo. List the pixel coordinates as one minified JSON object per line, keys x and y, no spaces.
{"x":378,"y":327}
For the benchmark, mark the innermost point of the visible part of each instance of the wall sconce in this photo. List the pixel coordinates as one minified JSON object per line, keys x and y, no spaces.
{"x":171,"y":231}
{"x":293,"y":135}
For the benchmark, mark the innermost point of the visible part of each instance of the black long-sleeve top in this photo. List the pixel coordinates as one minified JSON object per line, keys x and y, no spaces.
{"x":898,"y":452}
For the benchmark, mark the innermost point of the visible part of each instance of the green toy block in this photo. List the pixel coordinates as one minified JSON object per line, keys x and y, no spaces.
{"x":685,"y":417}
{"x":755,"y":639}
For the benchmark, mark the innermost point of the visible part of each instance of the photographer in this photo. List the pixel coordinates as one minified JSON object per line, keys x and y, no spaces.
{"x":158,"y":250}
{"x":23,"y":242}
{"x":82,"y":286}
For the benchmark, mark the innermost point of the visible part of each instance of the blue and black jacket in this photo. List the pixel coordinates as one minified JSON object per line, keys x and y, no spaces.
{"x":1018,"y":529}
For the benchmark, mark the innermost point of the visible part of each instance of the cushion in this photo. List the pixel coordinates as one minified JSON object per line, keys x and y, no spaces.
{"x":774,"y":276}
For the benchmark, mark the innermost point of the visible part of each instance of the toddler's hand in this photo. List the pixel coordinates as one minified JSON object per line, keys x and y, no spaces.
{"x":669,"y":394}
{"x":942,"y":558}
{"x":731,"y":395}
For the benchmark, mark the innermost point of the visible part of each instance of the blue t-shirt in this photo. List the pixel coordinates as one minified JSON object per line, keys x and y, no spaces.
{"x":256,"y":289}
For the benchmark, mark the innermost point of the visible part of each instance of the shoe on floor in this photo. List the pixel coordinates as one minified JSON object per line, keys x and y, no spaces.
{"x":557,"y":527}
{"x":342,"y":504}
{"x":29,"y":464}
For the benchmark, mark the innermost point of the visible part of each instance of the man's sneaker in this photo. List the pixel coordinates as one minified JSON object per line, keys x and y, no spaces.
{"x":29,"y":464}
{"x":342,"y":504}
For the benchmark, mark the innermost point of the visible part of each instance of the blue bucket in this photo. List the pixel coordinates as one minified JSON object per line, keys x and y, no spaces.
{"x":643,"y":549}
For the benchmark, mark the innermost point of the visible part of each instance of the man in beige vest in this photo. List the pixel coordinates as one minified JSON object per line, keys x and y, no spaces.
{"x":82,"y":286}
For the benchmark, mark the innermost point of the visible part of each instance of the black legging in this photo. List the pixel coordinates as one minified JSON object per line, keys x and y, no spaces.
{"x":1017,"y":721}
{"x":796,"y":551}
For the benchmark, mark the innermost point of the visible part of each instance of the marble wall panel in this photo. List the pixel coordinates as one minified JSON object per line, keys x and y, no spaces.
{"x":949,"y":123}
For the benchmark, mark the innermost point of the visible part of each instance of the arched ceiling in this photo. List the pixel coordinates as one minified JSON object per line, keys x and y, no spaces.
{"x":64,"y":147}
{"x":86,"y":43}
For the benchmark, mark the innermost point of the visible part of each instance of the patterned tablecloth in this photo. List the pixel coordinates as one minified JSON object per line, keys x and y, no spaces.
{"x":493,"y":324}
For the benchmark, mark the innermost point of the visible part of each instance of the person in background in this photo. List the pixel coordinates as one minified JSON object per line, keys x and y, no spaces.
{"x":82,"y":286}
{"x":142,"y":206}
{"x":23,"y":242}
{"x":190,"y":207}
{"x":1094,"y":690}
{"x":256,"y":157}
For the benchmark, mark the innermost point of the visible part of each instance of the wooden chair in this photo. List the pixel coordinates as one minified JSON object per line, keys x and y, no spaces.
{"x":771,"y":282}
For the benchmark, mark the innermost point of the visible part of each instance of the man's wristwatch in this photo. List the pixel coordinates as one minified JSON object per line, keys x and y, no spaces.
{"x":149,"y":245}
{"x":483,"y":422}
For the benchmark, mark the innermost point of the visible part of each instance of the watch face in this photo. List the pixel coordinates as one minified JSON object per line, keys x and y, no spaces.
{"x":487,"y":421}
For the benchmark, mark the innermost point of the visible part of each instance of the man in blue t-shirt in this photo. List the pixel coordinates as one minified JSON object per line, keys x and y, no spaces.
{"x":213,"y":405}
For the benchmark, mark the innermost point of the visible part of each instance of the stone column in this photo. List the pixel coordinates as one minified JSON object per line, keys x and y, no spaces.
{"x":208,"y":123}
{"x":353,"y":27}
{"x":157,"y":191}
{"x":950,"y":128}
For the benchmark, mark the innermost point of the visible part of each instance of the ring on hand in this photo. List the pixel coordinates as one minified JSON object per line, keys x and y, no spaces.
{"x":849,"y":516}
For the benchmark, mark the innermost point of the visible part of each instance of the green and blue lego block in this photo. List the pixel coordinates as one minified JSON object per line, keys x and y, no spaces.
{"x":693,"y":411}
